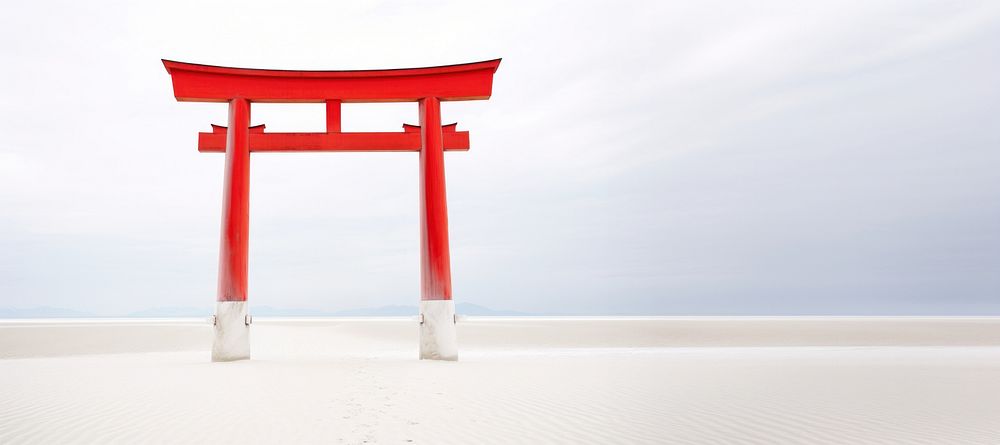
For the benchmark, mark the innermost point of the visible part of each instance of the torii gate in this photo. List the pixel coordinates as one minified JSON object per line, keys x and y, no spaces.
{"x":240,"y":86}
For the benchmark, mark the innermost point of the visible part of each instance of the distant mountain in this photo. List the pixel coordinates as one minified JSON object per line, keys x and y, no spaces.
{"x":268,"y":311}
{"x":388,"y":311}
{"x":461,"y":308}
{"x":384,"y":311}
{"x":475,"y":309}
{"x":42,"y":312}
{"x":170,"y":312}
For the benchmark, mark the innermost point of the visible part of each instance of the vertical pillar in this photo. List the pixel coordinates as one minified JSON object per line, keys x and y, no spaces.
{"x":232,"y":323}
{"x":437,"y":310}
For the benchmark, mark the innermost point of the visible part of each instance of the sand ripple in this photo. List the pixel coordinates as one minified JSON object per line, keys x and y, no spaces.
{"x":342,"y":383}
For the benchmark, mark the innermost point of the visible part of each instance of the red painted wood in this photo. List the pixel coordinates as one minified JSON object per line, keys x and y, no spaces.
{"x":219,"y":129}
{"x":235,"y":205}
{"x":332,"y":116}
{"x":240,"y":87}
{"x":435,"y":258}
{"x":450,"y":128}
{"x":206,"y":83}
{"x":292,"y":142}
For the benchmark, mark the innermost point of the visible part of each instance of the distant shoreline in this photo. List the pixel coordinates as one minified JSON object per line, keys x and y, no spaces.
{"x":307,"y":318}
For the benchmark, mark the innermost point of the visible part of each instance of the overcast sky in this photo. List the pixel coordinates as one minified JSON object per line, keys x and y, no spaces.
{"x":635,"y":158}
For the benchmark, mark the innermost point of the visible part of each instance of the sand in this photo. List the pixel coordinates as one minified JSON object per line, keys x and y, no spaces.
{"x":596,"y":380}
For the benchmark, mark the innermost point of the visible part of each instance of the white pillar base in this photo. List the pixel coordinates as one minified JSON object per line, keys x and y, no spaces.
{"x":437,"y":331}
{"x":232,"y":332}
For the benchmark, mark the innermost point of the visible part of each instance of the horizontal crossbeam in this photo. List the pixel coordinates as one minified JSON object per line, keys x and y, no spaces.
{"x":408,"y":140}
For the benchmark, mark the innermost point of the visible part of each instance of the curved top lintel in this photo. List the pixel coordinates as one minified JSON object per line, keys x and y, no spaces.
{"x":207,"y":83}
{"x":172,"y":65}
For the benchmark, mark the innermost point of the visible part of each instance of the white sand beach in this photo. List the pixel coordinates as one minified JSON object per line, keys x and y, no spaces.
{"x":518,"y":380}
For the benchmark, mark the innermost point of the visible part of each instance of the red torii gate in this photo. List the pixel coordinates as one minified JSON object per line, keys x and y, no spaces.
{"x":239,"y":87}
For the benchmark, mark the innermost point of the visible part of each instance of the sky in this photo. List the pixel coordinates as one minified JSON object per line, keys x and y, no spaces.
{"x":650,"y":158}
